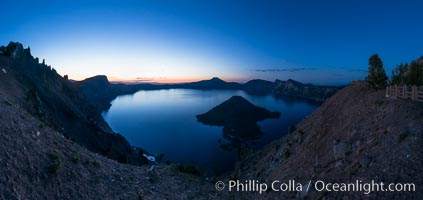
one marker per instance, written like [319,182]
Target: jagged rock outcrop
[17,51]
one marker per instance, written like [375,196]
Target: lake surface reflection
[164,122]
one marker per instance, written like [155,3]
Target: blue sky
[324,42]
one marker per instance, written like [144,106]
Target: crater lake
[164,122]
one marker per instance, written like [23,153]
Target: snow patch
[150,158]
[4,70]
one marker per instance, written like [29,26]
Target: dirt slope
[357,134]
[39,163]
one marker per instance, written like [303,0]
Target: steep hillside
[58,104]
[357,134]
[37,162]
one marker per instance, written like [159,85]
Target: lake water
[164,122]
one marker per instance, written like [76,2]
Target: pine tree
[399,74]
[377,77]
[416,73]
[409,74]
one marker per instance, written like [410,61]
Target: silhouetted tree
[399,74]
[377,77]
[415,76]
[409,74]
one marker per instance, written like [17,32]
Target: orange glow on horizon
[161,80]
[168,80]
[156,80]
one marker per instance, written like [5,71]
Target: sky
[321,42]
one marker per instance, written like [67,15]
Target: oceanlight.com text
[318,185]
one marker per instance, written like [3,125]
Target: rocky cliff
[58,103]
[100,92]
[308,91]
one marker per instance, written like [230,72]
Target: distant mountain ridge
[214,83]
[258,86]
[100,91]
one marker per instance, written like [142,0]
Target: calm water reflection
[164,122]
